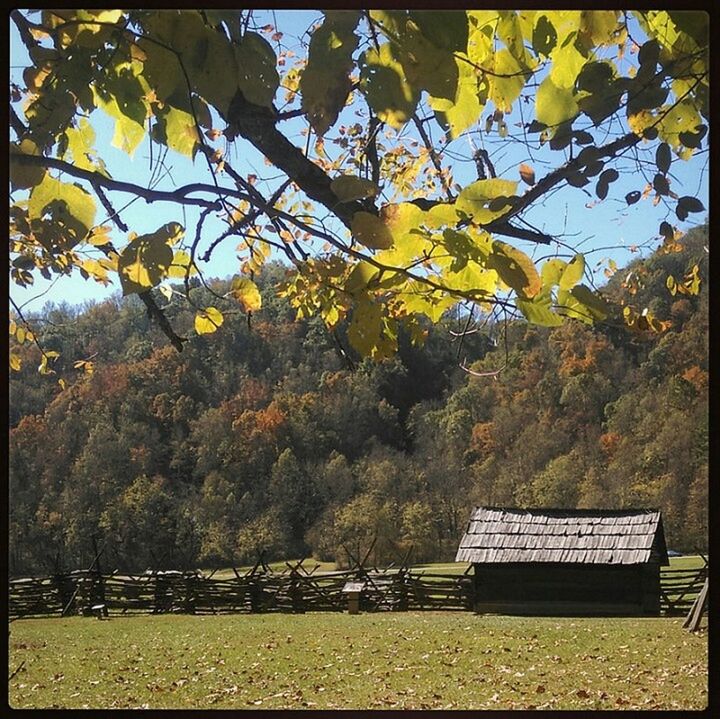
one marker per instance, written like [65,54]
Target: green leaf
[24,176]
[426,66]
[419,299]
[552,271]
[583,304]
[649,54]
[208,57]
[404,220]
[661,184]
[128,133]
[553,104]
[459,113]
[176,129]
[474,200]
[515,269]
[573,272]
[446,29]
[691,204]
[599,25]
[370,333]
[145,261]
[67,205]
[598,79]
[348,187]
[371,231]
[604,181]
[544,36]
[505,86]
[122,97]
[246,292]
[360,277]
[208,320]
[161,69]
[510,32]
[693,140]
[663,157]
[567,64]
[257,75]
[388,92]
[325,83]
[538,311]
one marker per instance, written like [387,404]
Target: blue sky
[603,230]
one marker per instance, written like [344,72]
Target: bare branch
[180,195]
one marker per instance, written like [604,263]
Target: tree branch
[97,179]
[433,157]
[257,125]
[16,123]
[155,312]
[23,25]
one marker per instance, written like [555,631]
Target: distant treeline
[271,435]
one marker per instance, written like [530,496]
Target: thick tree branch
[23,25]
[257,125]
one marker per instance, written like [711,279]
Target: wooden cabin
[564,562]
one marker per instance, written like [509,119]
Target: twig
[20,666]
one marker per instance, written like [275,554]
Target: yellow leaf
[554,105]
[180,264]
[388,92]
[208,320]
[146,260]
[99,236]
[246,292]
[360,276]
[476,198]
[505,86]
[515,269]
[15,362]
[573,272]
[371,231]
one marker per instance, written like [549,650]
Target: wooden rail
[679,588]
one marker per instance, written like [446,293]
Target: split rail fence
[262,590]
[89,592]
[679,588]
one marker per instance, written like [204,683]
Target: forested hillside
[273,435]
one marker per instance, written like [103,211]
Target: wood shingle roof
[586,536]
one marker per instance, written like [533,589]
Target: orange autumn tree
[364,206]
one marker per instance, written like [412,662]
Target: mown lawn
[330,661]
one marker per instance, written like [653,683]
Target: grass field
[384,661]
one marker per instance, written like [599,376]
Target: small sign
[353,587]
